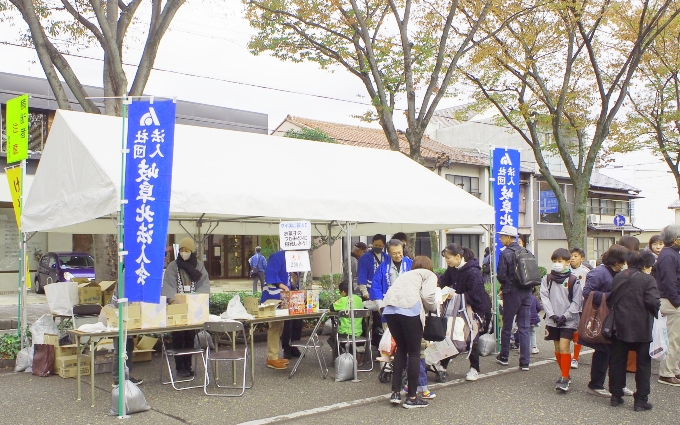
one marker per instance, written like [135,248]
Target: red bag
[43,359]
[592,319]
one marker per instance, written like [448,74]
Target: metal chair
[85,314]
[175,352]
[365,338]
[312,342]
[233,356]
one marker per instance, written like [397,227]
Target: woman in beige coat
[404,308]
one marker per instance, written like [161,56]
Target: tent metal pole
[348,253]
[330,251]
[122,300]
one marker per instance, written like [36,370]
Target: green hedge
[10,344]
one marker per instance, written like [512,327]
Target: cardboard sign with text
[297,261]
[295,235]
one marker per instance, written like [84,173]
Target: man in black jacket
[667,272]
[516,302]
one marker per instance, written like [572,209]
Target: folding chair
[365,338]
[176,352]
[312,342]
[233,356]
[85,314]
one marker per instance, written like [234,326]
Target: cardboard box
[198,307]
[89,293]
[266,309]
[66,366]
[252,305]
[297,303]
[134,317]
[154,315]
[177,314]
[144,349]
[107,287]
[312,301]
[60,350]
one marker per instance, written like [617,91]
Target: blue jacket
[599,281]
[258,261]
[667,273]
[381,279]
[275,273]
[367,267]
[535,309]
[507,270]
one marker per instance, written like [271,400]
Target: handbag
[435,328]
[43,359]
[592,321]
[255,270]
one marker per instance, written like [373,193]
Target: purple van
[62,267]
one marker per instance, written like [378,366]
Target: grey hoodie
[556,302]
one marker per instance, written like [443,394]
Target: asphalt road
[503,395]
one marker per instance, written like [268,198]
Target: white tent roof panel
[253,179]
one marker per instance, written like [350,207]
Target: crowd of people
[638,285]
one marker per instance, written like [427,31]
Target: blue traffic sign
[619,220]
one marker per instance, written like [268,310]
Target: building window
[468,184]
[548,206]
[601,245]
[600,206]
[470,241]
[37,129]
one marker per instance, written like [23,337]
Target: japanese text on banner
[505,191]
[296,235]
[14,177]
[148,181]
[17,129]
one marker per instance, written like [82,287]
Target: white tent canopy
[243,183]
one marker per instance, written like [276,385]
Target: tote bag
[592,321]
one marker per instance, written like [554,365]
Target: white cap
[509,231]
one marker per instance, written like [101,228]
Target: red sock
[566,365]
[577,346]
[558,356]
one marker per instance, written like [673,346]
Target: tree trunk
[105,253]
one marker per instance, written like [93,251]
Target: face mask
[558,267]
[185,255]
[624,267]
[377,250]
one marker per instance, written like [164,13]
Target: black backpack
[526,269]
[571,283]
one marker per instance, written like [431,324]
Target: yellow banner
[28,274]
[14,178]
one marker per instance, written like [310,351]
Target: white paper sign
[297,261]
[295,235]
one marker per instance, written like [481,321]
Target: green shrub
[219,301]
[10,344]
[440,271]
[327,298]
[327,285]
[543,271]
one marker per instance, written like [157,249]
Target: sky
[209,39]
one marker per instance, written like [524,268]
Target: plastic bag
[659,346]
[487,345]
[62,296]
[202,340]
[135,401]
[42,326]
[235,310]
[387,343]
[344,366]
[24,360]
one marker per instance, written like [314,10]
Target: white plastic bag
[659,346]
[344,366]
[24,360]
[42,326]
[135,401]
[235,310]
[62,296]
[386,342]
[487,345]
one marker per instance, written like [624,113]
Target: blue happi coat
[368,265]
[382,281]
[275,273]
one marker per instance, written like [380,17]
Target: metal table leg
[233,364]
[91,371]
[78,363]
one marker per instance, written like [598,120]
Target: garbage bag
[659,346]
[42,326]
[327,328]
[235,310]
[344,366]
[24,360]
[135,401]
[487,345]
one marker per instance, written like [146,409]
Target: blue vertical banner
[148,182]
[505,191]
